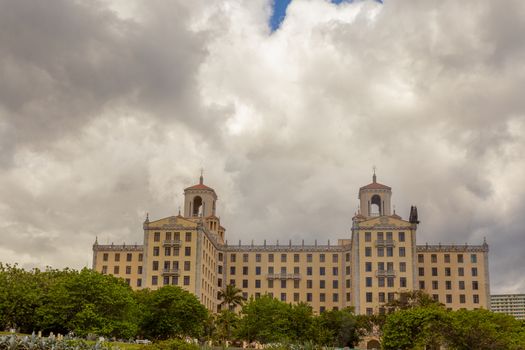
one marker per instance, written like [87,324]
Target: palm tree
[231,296]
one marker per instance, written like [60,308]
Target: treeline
[86,302]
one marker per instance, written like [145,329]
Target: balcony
[170,272]
[283,276]
[385,243]
[385,273]
[172,243]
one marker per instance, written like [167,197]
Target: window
[296,269]
[335,258]
[420,258]
[380,236]
[245,283]
[128,270]
[105,257]
[308,257]
[473,258]
[232,282]
[233,258]
[347,270]
[322,271]
[401,251]
[435,297]
[421,284]
[257,283]
[434,284]
[389,251]
[368,236]
[187,251]
[368,266]
[141,257]
[187,266]
[257,270]
[475,285]
[403,267]
[474,271]
[257,257]
[461,271]
[219,269]
[117,257]
[390,296]
[270,257]
[245,258]
[368,251]
[283,284]
[167,251]
[270,283]
[461,285]
[433,258]
[460,258]
[296,283]
[462,298]
[434,271]
[447,271]
[380,251]
[448,285]
[402,282]
[165,281]
[309,297]
[475,298]
[139,270]
[448,298]
[270,269]
[186,280]
[369,281]
[390,282]
[156,237]
[245,270]
[335,271]
[283,257]
[421,271]
[129,257]
[309,284]
[175,280]
[347,256]
[348,297]
[155,251]
[389,236]
[232,270]
[295,297]
[104,269]
[321,257]
[381,282]
[188,237]
[335,284]
[447,258]
[168,236]
[401,236]
[322,284]
[368,297]
[369,311]
[176,251]
[139,282]
[381,297]
[348,283]
[177,236]
[220,256]
[335,297]
[154,280]
[283,296]
[296,258]
[309,271]
[155,265]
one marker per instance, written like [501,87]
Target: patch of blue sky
[279,11]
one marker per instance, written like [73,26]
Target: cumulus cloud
[108,109]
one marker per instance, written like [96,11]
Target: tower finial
[201,179]
[374,178]
[179,210]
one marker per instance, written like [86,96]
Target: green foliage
[226,324]
[231,296]
[13,342]
[172,344]
[411,299]
[337,328]
[172,312]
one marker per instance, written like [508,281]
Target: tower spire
[201,179]
[374,178]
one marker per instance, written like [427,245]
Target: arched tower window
[375,205]
[197,205]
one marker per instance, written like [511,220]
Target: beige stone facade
[363,271]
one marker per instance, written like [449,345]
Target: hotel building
[366,270]
[510,304]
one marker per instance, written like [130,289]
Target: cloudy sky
[109,109]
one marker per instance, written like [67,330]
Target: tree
[411,299]
[89,302]
[482,329]
[231,296]
[414,328]
[300,322]
[338,328]
[226,325]
[265,320]
[172,312]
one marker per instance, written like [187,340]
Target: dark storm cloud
[106,116]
